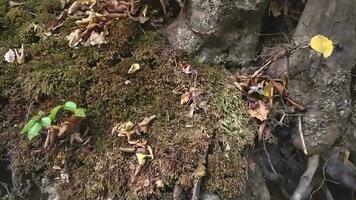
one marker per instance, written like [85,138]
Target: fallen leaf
[91,16]
[185,98]
[15,4]
[20,55]
[322,45]
[113,6]
[95,39]
[143,126]
[76,5]
[74,38]
[134,67]
[125,128]
[280,87]
[141,158]
[159,183]
[69,126]
[260,111]
[268,90]
[10,56]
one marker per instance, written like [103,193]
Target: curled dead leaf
[260,111]
[185,98]
[125,128]
[143,126]
[74,38]
[134,67]
[95,39]
[20,55]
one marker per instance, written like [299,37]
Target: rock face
[218,31]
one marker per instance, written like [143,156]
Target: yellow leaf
[141,158]
[322,45]
[268,90]
[126,128]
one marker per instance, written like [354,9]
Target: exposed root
[304,182]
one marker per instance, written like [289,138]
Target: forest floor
[158,124]
[199,126]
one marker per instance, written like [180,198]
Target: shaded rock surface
[218,31]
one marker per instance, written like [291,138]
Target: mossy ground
[95,78]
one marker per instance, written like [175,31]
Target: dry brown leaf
[143,126]
[185,98]
[20,55]
[69,126]
[260,111]
[126,128]
[95,39]
[74,38]
[113,6]
[280,87]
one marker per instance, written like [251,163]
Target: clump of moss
[234,123]
[226,176]
[227,171]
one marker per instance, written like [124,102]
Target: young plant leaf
[28,125]
[79,112]
[70,105]
[34,130]
[46,121]
[54,111]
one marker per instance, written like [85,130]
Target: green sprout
[39,121]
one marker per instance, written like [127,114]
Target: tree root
[304,182]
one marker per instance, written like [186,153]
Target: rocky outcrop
[218,31]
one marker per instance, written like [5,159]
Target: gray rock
[218,31]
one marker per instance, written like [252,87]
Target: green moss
[227,171]
[234,125]
[226,176]
[95,77]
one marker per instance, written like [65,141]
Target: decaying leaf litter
[193,99]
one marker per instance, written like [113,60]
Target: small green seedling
[39,121]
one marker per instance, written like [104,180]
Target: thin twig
[7,190]
[268,156]
[324,177]
[301,135]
